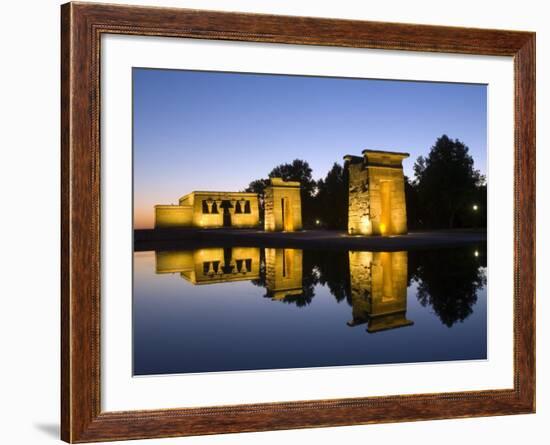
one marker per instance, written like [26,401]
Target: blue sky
[198,130]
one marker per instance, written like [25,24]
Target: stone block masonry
[376,193]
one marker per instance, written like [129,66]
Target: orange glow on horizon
[144,218]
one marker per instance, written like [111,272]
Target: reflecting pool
[243,308]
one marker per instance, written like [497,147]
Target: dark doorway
[226,214]
[227,256]
[286,215]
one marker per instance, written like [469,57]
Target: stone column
[209,204]
[210,268]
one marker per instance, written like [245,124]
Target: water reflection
[211,265]
[452,290]
[379,290]
[373,283]
[283,274]
[235,308]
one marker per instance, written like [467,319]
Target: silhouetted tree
[301,300]
[450,290]
[476,214]
[333,271]
[298,170]
[414,220]
[446,182]
[258,186]
[332,198]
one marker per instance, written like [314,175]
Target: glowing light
[476,253]
[365,226]
[382,228]
[475,207]
[317,222]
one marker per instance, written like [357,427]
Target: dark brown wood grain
[81,28]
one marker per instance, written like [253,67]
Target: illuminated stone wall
[376,193]
[283,206]
[283,272]
[167,216]
[211,210]
[211,265]
[378,282]
[223,209]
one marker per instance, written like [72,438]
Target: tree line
[446,191]
[450,291]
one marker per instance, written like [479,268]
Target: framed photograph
[274,222]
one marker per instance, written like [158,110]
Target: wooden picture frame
[82,25]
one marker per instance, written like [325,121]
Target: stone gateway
[283,206]
[376,193]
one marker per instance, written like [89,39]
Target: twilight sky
[218,131]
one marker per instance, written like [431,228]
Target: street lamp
[475,207]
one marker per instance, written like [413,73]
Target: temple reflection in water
[209,309]
[377,280]
[283,273]
[379,289]
[211,265]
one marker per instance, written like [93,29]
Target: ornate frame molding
[82,25]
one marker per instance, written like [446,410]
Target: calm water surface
[243,308]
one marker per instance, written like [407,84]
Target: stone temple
[210,265]
[376,193]
[210,210]
[239,210]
